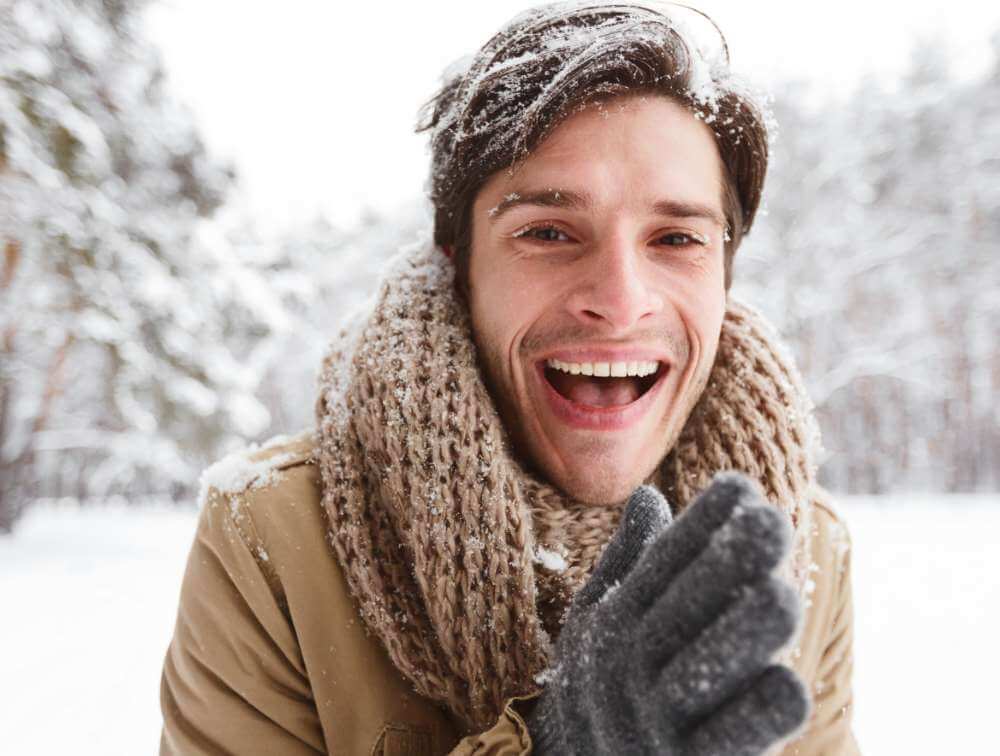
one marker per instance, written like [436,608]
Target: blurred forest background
[140,338]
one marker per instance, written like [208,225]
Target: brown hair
[552,61]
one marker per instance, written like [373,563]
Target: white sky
[315,101]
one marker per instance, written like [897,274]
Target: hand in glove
[666,649]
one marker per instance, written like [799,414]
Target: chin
[597,485]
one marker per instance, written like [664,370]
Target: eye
[542,234]
[681,239]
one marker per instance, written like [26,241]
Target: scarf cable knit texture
[436,524]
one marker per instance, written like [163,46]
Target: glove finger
[733,651]
[685,540]
[773,708]
[742,552]
[646,515]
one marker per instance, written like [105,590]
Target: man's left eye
[680,239]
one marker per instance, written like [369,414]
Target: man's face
[602,254]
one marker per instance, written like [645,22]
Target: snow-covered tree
[878,260]
[127,336]
[321,275]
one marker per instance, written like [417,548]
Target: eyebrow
[569,200]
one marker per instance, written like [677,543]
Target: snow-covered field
[89,598]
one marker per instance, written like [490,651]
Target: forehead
[643,148]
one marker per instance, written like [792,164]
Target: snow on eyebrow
[543,197]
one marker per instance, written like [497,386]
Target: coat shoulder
[256,470]
[282,451]
[268,496]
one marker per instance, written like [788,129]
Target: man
[471,553]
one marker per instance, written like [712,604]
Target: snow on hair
[495,106]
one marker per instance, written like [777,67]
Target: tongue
[595,392]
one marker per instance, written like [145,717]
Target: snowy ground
[90,596]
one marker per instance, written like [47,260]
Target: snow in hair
[494,104]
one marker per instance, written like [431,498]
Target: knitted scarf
[461,561]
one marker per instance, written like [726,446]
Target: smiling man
[597,306]
[472,552]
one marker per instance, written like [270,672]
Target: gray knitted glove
[667,649]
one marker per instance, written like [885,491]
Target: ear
[448,251]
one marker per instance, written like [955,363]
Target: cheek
[707,311]
[504,300]
[705,285]
[491,313]
[495,310]
[708,324]
[698,296]
[699,305]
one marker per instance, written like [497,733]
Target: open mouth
[602,384]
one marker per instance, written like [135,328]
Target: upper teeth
[605,369]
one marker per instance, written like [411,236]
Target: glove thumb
[646,515]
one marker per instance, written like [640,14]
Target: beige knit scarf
[436,524]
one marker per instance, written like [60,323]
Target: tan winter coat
[269,655]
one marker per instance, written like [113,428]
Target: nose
[615,289]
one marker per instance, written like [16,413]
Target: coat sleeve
[508,737]
[829,731]
[233,680]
